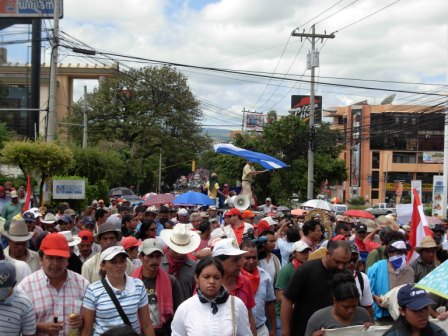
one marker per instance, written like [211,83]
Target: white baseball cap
[227,246]
[111,252]
[271,221]
[299,246]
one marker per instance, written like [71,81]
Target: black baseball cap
[360,227]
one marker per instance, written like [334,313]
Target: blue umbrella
[193,198]
[266,161]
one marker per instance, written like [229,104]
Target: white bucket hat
[180,239]
[71,240]
[49,219]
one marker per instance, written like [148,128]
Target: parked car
[339,209]
[381,209]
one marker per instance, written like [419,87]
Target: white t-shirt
[194,318]
[365,298]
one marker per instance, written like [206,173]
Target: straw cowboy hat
[427,243]
[18,231]
[180,239]
[383,220]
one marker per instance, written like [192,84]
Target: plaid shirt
[48,302]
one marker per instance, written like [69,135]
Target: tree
[146,109]
[287,140]
[40,159]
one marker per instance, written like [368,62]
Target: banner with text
[69,189]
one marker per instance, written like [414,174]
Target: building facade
[388,146]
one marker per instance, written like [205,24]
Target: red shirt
[243,290]
[239,233]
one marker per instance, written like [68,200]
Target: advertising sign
[300,106]
[69,189]
[417,185]
[432,157]
[28,8]
[255,121]
[437,196]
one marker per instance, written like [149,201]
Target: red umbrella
[159,199]
[359,213]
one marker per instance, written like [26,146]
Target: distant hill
[217,134]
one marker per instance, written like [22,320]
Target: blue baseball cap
[28,216]
[413,298]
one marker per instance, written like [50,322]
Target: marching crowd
[121,270]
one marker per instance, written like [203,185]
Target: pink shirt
[48,302]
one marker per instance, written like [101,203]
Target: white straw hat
[180,239]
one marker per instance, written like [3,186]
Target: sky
[385,40]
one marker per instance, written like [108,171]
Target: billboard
[69,189]
[432,157]
[300,106]
[28,8]
[255,121]
[438,196]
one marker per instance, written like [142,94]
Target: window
[403,157]
[375,160]
[374,194]
[375,179]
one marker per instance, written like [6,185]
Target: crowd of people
[117,269]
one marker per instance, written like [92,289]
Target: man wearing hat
[18,236]
[183,216]
[237,228]
[268,206]
[212,188]
[108,235]
[49,222]
[30,220]
[212,212]
[16,310]
[55,291]
[387,274]
[438,233]
[12,208]
[65,223]
[427,260]
[84,249]
[180,242]
[248,216]
[163,289]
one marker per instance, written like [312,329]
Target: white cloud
[405,42]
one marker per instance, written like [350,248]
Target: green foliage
[287,140]
[5,134]
[357,201]
[97,164]
[144,110]
[39,159]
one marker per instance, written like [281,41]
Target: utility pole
[51,127]
[312,63]
[244,119]
[160,169]
[84,132]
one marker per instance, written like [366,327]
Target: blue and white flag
[266,161]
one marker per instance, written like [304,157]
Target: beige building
[388,146]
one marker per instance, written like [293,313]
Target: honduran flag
[419,227]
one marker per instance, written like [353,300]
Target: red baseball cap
[233,211]
[55,244]
[261,226]
[248,214]
[130,242]
[86,236]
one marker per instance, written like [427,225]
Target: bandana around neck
[222,297]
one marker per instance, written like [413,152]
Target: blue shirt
[265,293]
[131,299]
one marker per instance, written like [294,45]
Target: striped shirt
[131,299]
[17,315]
[50,303]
